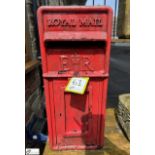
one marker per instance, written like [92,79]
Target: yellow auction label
[77,85]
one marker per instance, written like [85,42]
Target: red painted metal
[75,41]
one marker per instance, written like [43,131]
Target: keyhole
[60,114]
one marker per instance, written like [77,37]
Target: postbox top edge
[41,9]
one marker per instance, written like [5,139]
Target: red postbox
[75,42]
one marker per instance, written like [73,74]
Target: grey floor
[119,81]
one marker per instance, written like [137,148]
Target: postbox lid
[74,23]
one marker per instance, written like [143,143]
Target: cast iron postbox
[75,42]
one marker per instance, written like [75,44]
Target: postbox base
[75,147]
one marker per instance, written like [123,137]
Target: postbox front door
[75,42]
[74,121]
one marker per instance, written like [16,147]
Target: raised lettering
[86,63]
[86,22]
[76,62]
[64,62]
[90,22]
